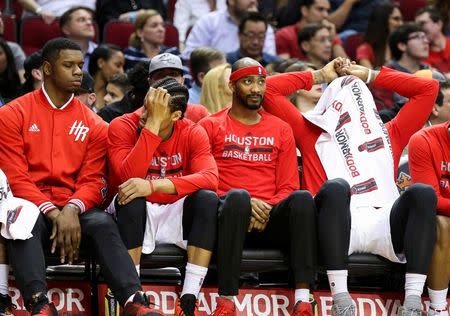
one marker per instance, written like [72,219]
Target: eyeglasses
[421,36]
[251,36]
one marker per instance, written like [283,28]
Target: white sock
[414,284]
[138,269]
[4,272]
[301,295]
[338,281]
[438,298]
[194,279]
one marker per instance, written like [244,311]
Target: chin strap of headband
[247,71]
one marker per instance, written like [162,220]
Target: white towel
[355,144]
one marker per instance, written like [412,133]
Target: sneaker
[6,306]
[225,307]
[412,306]
[140,306]
[40,306]
[435,312]
[343,305]
[303,309]
[187,305]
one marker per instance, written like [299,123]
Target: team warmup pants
[292,225]
[199,220]
[100,237]
[412,224]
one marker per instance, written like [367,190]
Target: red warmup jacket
[429,162]
[421,92]
[53,156]
[184,158]
[259,158]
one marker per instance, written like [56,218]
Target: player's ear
[175,116]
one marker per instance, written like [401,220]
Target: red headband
[247,71]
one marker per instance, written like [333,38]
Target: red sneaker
[40,306]
[140,307]
[225,307]
[303,309]
[187,305]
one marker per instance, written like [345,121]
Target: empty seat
[10,32]
[352,43]
[34,33]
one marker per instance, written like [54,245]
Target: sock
[138,269]
[4,272]
[301,295]
[130,299]
[414,284]
[230,298]
[438,298]
[338,281]
[194,279]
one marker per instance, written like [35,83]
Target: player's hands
[133,188]
[66,232]
[331,70]
[256,225]
[260,210]
[157,105]
[359,71]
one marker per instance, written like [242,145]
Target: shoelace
[346,309]
[413,312]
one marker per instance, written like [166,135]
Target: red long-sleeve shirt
[429,162]
[53,156]
[185,158]
[421,92]
[259,158]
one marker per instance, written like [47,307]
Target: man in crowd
[429,162]
[164,169]
[441,110]
[366,154]
[116,88]
[315,43]
[77,24]
[266,202]
[86,92]
[252,34]
[56,160]
[19,55]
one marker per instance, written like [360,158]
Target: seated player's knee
[207,208]
[423,194]
[302,203]
[338,185]
[239,203]
[133,209]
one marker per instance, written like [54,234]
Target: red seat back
[10,32]
[171,39]
[34,33]
[352,43]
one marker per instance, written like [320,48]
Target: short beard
[244,102]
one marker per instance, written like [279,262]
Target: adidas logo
[34,128]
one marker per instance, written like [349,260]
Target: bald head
[244,62]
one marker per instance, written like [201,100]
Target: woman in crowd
[116,88]
[10,86]
[147,40]
[374,51]
[215,91]
[105,62]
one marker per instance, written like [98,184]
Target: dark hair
[105,52]
[138,77]
[435,15]
[443,85]
[51,49]
[308,32]
[67,15]
[121,80]
[401,35]
[377,32]
[253,17]
[305,3]
[34,61]
[10,87]
[179,94]
[201,59]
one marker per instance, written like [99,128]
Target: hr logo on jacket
[79,130]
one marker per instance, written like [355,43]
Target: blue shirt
[87,56]
[218,30]
[194,93]
[266,58]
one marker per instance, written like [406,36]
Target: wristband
[71,205]
[152,187]
[38,10]
[369,76]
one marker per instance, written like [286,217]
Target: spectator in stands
[252,34]
[85,93]
[316,44]
[105,61]
[68,188]
[216,93]
[33,72]
[202,60]
[126,11]
[400,224]
[116,88]
[77,24]
[180,184]
[49,10]
[266,203]
[134,99]
[375,52]
[10,87]
[147,40]
[169,65]
[19,55]
[443,6]
[187,12]
[441,110]
[432,23]
[429,159]
[312,11]
[219,29]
